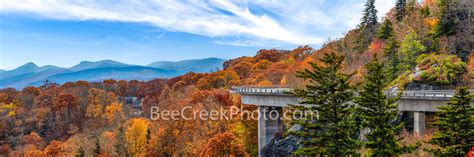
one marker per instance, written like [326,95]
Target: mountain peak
[85,62]
[26,68]
[28,65]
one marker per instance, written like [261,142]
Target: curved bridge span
[412,100]
[416,103]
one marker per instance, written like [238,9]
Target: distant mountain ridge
[26,68]
[30,74]
[195,65]
[99,64]
[118,73]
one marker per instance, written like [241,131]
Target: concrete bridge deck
[270,99]
[422,100]
[410,94]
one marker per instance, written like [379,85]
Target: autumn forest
[426,45]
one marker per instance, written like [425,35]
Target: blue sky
[63,33]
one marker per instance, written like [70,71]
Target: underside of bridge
[269,124]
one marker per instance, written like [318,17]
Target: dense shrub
[440,69]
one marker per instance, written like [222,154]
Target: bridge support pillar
[269,123]
[419,123]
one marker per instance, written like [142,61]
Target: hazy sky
[64,32]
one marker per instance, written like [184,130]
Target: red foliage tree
[243,69]
[32,90]
[8,95]
[32,138]
[66,107]
[270,55]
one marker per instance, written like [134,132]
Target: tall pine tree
[369,17]
[378,112]
[330,93]
[447,22]
[400,9]
[386,30]
[368,26]
[387,34]
[456,126]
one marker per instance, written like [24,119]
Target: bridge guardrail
[262,90]
[277,90]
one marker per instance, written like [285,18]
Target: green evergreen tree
[447,22]
[378,112]
[409,49]
[387,34]
[400,9]
[386,30]
[329,93]
[456,126]
[390,52]
[425,11]
[369,17]
[368,26]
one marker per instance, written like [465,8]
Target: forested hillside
[428,45]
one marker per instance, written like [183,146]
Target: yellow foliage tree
[136,136]
[284,81]
[230,76]
[95,101]
[262,64]
[8,108]
[114,113]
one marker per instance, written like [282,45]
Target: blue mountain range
[32,75]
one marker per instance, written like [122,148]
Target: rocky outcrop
[284,145]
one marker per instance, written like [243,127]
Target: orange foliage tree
[469,76]
[376,48]
[107,143]
[264,83]
[55,148]
[223,144]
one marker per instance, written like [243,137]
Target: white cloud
[292,22]
[384,6]
[250,42]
